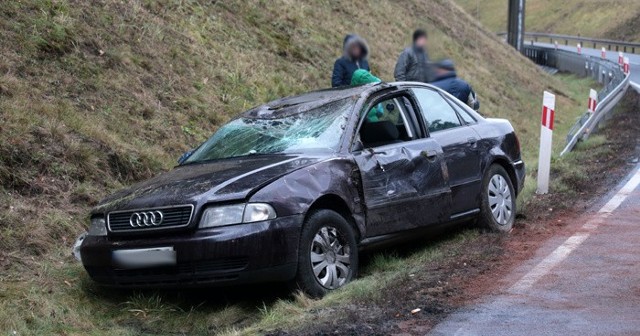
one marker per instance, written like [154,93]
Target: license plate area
[144,258]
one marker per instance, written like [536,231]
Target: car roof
[301,103]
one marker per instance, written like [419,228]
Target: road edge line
[562,252]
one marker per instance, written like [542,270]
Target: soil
[479,268]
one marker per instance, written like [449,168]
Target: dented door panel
[405,186]
[462,155]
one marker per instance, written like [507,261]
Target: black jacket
[454,85]
[413,66]
[345,66]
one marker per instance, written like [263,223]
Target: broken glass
[316,129]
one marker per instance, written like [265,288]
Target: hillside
[97,96]
[618,20]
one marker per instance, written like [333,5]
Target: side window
[466,117]
[386,122]
[437,111]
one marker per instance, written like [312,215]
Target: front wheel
[328,253]
[498,209]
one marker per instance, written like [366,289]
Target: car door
[403,174]
[459,142]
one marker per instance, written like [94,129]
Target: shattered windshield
[317,129]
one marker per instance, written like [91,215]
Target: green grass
[617,20]
[95,96]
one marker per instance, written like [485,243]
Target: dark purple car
[291,190]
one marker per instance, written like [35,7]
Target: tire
[328,245]
[498,208]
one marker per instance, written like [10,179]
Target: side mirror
[185,156]
[476,106]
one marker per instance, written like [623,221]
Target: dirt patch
[477,269]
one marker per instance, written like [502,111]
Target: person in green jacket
[363,77]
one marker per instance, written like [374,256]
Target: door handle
[374,152]
[472,141]
[430,154]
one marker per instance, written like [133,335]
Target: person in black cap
[447,80]
[413,63]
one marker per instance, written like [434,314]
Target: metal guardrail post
[614,85]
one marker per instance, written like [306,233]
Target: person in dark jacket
[447,80]
[354,56]
[413,64]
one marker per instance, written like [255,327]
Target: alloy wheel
[500,200]
[330,257]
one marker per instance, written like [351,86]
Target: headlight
[255,212]
[222,215]
[98,227]
[236,214]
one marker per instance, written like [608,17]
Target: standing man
[413,64]
[354,56]
[447,80]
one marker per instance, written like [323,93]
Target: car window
[463,113]
[437,111]
[386,122]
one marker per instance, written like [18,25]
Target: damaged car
[291,190]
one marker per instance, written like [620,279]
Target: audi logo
[146,218]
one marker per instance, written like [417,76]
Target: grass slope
[615,19]
[97,95]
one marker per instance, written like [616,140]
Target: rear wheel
[328,253]
[498,209]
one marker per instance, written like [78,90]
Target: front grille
[190,273]
[172,217]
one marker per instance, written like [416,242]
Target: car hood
[217,181]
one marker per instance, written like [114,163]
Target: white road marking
[635,86]
[562,251]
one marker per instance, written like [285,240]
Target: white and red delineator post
[556,43]
[579,49]
[626,66]
[620,58]
[603,53]
[593,100]
[546,137]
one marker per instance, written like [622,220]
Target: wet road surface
[587,283]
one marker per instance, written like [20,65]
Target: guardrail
[610,74]
[627,47]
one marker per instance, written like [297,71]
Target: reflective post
[626,67]
[546,137]
[620,58]
[593,100]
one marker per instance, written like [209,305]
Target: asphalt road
[584,284]
[634,59]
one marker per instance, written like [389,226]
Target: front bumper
[245,253]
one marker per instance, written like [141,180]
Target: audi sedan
[293,189]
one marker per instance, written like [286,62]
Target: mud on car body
[291,190]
